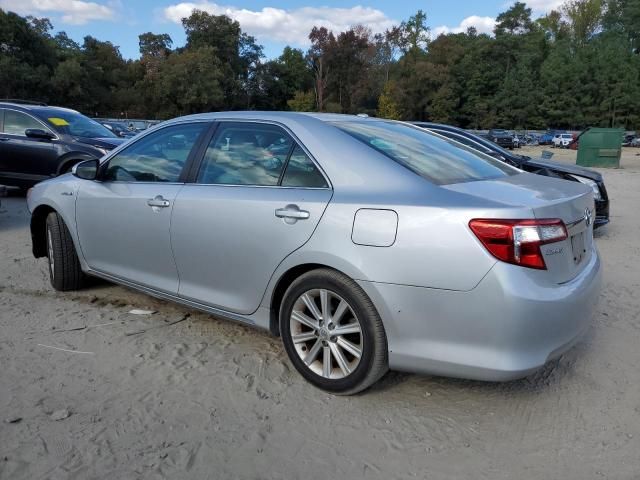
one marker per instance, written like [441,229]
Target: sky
[274,23]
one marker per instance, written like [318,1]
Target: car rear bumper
[508,326]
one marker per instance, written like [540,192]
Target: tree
[387,107]
[515,21]
[319,56]
[302,102]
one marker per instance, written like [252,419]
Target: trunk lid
[547,197]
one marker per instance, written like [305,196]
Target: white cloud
[76,12]
[287,26]
[482,25]
[543,6]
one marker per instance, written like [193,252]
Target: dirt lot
[206,398]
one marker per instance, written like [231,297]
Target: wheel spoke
[303,319]
[326,362]
[337,315]
[303,337]
[342,362]
[349,347]
[313,353]
[311,305]
[324,303]
[347,329]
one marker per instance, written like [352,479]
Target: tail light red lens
[518,241]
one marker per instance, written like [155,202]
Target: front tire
[332,332]
[64,267]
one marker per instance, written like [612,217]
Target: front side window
[437,159]
[16,123]
[246,154]
[157,157]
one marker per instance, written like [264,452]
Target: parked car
[119,128]
[368,244]
[635,142]
[538,166]
[501,137]
[562,140]
[39,142]
[626,141]
[547,137]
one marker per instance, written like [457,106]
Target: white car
[562,140]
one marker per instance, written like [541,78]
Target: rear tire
[341,348]
[64,267]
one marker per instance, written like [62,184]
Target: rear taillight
[518,241]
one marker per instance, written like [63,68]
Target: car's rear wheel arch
[285,280]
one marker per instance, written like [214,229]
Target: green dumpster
[600,147]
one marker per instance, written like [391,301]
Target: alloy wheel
[50,253]
[326,333]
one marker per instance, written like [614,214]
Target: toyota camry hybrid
[365,244]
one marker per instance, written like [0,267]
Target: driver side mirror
[87,170]
[39,134]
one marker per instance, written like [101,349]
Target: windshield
[437,159]
[75,124]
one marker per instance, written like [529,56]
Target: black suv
[534,165]
[39,142]
[501,137]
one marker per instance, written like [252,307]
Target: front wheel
[64,267]
[332,332]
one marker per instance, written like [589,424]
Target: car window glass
[435,158]
[157,157]
[245,154]
[302,172]
[461,139]
[15,123]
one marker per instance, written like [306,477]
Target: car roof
[278,116]
[36,108]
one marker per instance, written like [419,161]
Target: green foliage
[387,107]
[575,66]
[302,102]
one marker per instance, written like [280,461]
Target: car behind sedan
[539,166]
[38,142]
[365,244]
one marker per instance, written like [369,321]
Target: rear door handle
[292,212]
[4,139]
[158,201]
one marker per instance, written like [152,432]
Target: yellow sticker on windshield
[58,122]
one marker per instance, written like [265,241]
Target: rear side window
[15,123]
[302,172]
[157,157]
[437,159]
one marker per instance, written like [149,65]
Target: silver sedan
[365,244]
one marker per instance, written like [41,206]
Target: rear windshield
[439,160]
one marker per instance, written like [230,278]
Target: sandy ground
[206,398]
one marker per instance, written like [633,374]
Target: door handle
[158,201]
[292,212]
[4,139]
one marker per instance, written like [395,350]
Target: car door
[256,198]
[123,218]
[21,157]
